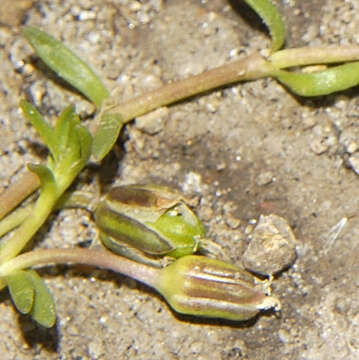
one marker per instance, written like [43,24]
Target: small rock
[323,138]
[349,140]
[37,92]
[272,246]
[193,183]
[354,162]
[232,222]
[265,178]
[221,166]
[153,122]
[230,210]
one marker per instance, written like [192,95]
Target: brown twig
[17,192]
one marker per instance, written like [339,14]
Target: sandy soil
[246,150]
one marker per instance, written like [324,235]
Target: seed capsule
[199,286]
[149,219]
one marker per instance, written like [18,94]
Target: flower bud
[153,219]
[199,286]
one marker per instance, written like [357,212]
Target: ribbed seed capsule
[152,219]
[199,286]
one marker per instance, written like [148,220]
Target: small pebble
[323,138]
[153,122]
[272,246]
[192,183]
[349,140]
[354,162]
[264,178]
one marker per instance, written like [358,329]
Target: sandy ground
[246,150]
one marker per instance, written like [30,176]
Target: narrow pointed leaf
[85,140]
[42,127]
[21,291]
[77,152]
[106,135]
[43,310]
[73,146]
[66,64]
[83,146]
[272,18]
[322,82]
[63,125]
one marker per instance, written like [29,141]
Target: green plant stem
[252,67]
[78,200]
[102,259]
[28,228]
[309,56]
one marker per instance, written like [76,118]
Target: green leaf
[63,127]
[30,295]
[106,134]
[21,291]
[47,179]
[324,82]
[72,151]
[77,153]
[272,18]
[42,127]
[66,64]
[85,140]
[43,310]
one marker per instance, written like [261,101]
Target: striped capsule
[200,286]
[148,221]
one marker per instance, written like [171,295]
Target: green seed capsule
[149,219]
[199,286]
